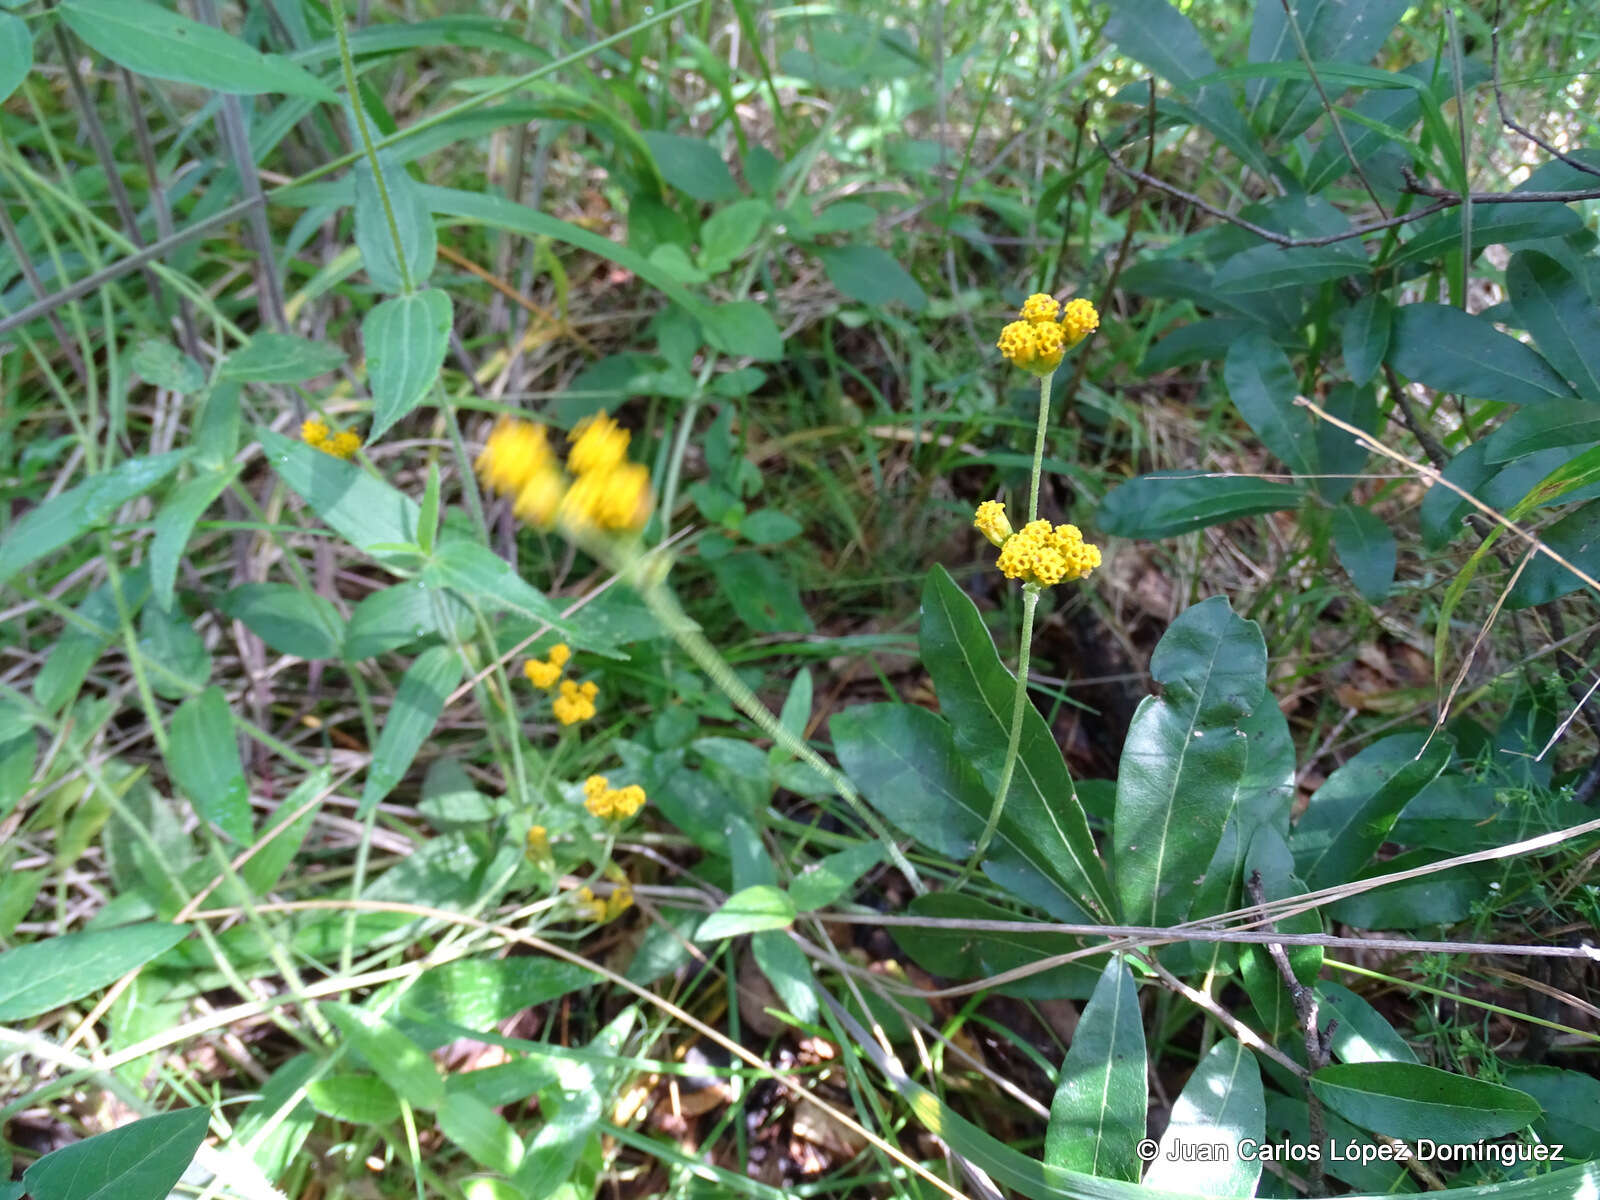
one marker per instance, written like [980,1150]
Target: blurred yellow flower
[598,444]
[539,499]
[515,452]
[541,674]
[576,702]
[1036,342]
[313,431]
[343,444]
[539,845]
[991,521]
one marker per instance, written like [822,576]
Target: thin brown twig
[1505,116]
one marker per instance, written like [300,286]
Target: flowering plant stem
[1019,700]
[664,605]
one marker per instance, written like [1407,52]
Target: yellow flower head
[596,785]
[1079,320]
[598,444]
[575,703]
[515,452]
[601,804]
[539,499]
[1040,307]
[313,431]
[629,800]
[559,653]
[619,902]
[539,844]
[613,498]
[990,520]
[343,444]
[591,904]
[1046,555]
[542,674]
[1033,346]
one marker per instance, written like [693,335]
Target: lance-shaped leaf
[405,339]
[1222,1103]
[1098,1116]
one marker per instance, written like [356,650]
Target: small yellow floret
[620,901]
[539,844]
[629,800]
[1078,321]
[601,804]
[1033,346]
[542,674]
[343,444]
[1040,307]
[615,499]
[515,452]
[598,444]
[559,653]
[575,703]
[313,431]
[991,521]
[596,785]
[592,904]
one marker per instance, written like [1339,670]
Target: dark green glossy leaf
[1221,1102]
[1576,537]
[1263,387]
[1545,427]
[1407,1100]
[1571,1103]
[417,705]
[976,692]
[1350,815]
[1453,351]
[140,1161]
[1362,1034]
[872,276]
[1183,755]
[1164,505]
[1098,1115]
[1366,331]
[1553,305]
[1366,548]
[1263,268]
[966,954]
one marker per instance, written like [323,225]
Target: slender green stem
[366,143]
[1038,455]
[1019,700]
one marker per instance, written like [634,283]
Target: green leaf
[277,1124]
[1350,815]
[359,1099]
[1222,1102]
[743,329]
[77,648]
[481,576]
[396,1059]
[1366,548]
[163,364]
[961,954]
[60,970]
[823,882]
[280,358]
[267,865]
[1164,505]
[1453,351]
[375,236]
[1492,224]
[1042,812]
[149,40]
[168,637]
[1264,268]
[174,524]
[16,54]
[748,910]
[405,340]
[203,760]
[1545,427]
[1553,305]
[483,1134]
[1571,1103]
[788,970]
[477,993]
[763,592]
[289,620]
[872,276]
[1407,1100]
[61,519]
[417,705]
[692,165]
[1362,1034]
[401,614]
[729,232]
[1097,1118]
[1335,34]
[361,508]
[1183,755]
[1576,537]
[140,1161]
[1263,387]
[1367,327]
[768,527]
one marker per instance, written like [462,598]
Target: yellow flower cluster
[344,444]
[604,801]
[606,491]
[619,902]
[576,701]
[1037,342]
[539,845]
[543,672]
[1038,552]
